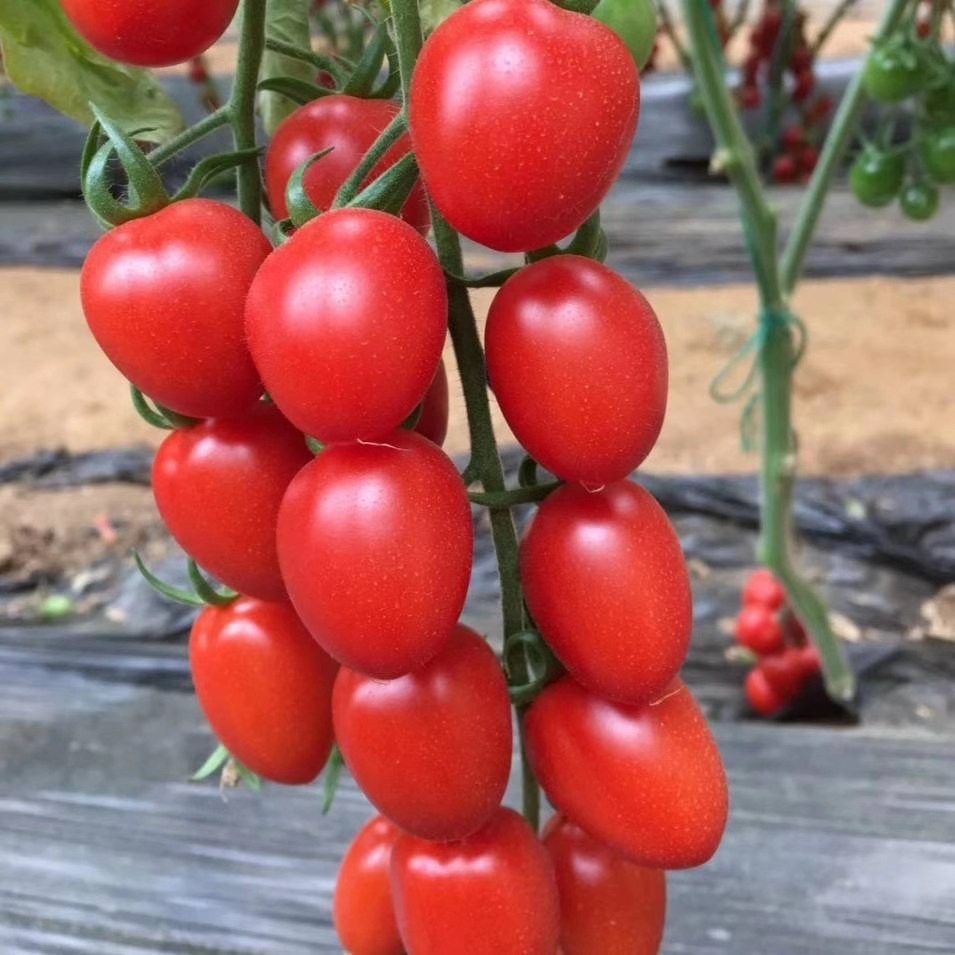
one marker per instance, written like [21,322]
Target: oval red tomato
[164,297]
[347,322]
[564,80]
[348,126]
[150,32]
[764,698]
[577,360]
[758,629]
[644,780]
[265,687]
[607,903]
[432,749]
[605,580]
[375,547]
[433,423]
[364,910]
[763,588]
[491,893]
[219,486]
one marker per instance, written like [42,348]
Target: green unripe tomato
[938,102]
[919,201]
[894,71]
[938,154]
[876,176]
[634,21]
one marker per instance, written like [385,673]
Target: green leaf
[44,56]
[287,21]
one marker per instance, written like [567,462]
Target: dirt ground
[872,395]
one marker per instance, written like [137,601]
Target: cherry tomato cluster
[351,566]
[796,151]
[910,67]
[767,628]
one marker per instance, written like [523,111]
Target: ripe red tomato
[761,695]
[764,589]
[758,629]
[348,125]
[606,582]
[164,297]
[785,672]
[364,910]
[433,423]
[645,780]
[607,903]
[491,893]
[150,32]
[346,323]
[400,737]
[375,547]
[578,362]
[566,81]
[219,485]
[265,687]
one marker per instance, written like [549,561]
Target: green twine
[769,322]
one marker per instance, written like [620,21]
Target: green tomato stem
[485,459]
[830,159]
[241,105]
[205,126]
[776,353]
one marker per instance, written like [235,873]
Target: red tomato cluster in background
[352,566]
[797,153]
[766,627]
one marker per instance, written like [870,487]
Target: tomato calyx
[203,594]
[232,772]
[146,193]
[300,207]
[539,662]
[159,416]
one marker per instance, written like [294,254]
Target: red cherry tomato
[761,695]
[578,362]
[364,910]
[810,662]
[375,547]
[607,903]
[400,737]
[566,81]
[764,589]
[150,32]
[348,126]
[164,297]
[346,323]
[784,672]
[606,582]
[433,423]
[265,687]
[758,629]
[645,780]
[491,893]
[219,485]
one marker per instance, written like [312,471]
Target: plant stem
[469,354]
[187,137]
[241,105]
[830,159]
[776,348]
[825,32]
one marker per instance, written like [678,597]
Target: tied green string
[769,322]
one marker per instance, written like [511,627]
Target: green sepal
[167,590]
[331,778]
[301,209]
[297,90]
[216,760]
[390,191]
[145,190]
[366,72]
[205,591]
[210,167]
